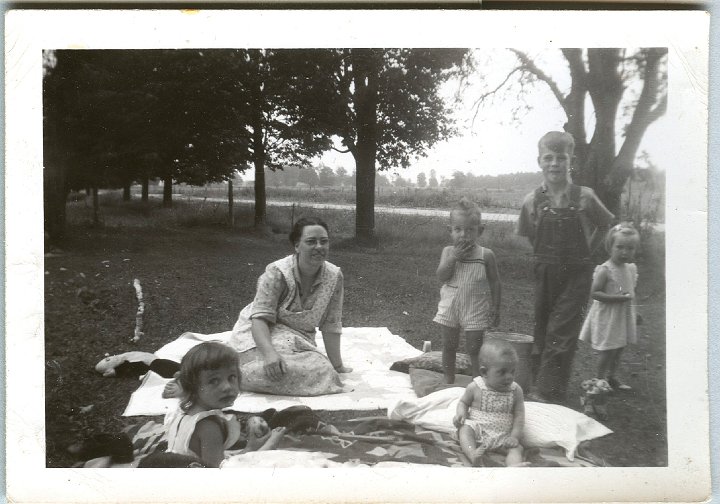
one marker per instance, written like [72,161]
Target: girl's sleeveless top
[181,426]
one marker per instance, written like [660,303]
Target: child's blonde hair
[556,140]
[623,229]
[468,208]
[206,356]
[493,350]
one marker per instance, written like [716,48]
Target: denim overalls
[563,276]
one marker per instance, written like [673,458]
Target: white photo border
[685,33]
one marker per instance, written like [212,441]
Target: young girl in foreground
[610,324]
[491,412]
[467,271]
[209,378]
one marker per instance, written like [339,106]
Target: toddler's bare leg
[514,456]
[605,360]
[473,342]
[466,435]
[450,337]
[615,362]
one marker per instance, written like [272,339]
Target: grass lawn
[196,276]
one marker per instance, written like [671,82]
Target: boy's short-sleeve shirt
[593,214]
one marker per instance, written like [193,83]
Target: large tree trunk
[145,189]
[366,91]
[648,109]
[55,194]
[231,212]
[167,191]
[96,205]
[126,191]
[55,189]
[258,157]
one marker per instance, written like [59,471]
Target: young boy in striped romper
[467,271]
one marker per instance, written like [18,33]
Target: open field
[197,274]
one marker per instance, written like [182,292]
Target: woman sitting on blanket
[275,334]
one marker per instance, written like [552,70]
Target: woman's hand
[511,442]
[275,366]
[343,369]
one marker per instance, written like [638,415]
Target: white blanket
[546,425]
[368,350]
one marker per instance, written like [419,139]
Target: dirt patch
[198,279]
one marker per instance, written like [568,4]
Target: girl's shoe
[616,385]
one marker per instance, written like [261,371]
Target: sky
[494,143]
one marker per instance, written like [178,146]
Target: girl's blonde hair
[206,356]
[468,208]
[623,229]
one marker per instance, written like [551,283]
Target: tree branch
[530,66]
[644,114]
[340,151]
[575,100]
[483,96]
[659,110]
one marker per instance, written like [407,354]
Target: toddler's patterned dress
[492,420]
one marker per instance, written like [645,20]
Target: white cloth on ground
[370,351]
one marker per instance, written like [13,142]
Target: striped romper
[464,298]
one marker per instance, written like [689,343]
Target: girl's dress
[612,325]
[492,420]
[464,297]
[181,426]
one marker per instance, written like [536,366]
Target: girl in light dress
[610,324]
[209,380]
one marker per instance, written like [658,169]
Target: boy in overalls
[564,222]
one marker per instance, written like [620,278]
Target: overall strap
[540,199]
[574,196]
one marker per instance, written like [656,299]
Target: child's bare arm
[208,436]
[273,439]
[493,277]
[598,284]
[463,404]
[518,416]
[447,264]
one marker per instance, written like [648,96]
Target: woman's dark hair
[206,356]
[297,229]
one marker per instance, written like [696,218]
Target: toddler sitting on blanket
[209,378]
[491,412]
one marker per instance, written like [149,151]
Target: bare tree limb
[483,96]
[529,65]
[340,151]
[575,100]
[649,108]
